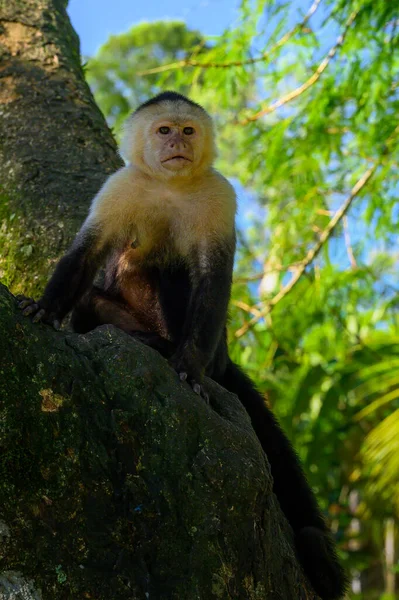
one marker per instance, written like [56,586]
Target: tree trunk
[118,482]
[55,147]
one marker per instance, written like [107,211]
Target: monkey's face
[176,147]
[171,140]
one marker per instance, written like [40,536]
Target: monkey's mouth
[178,158]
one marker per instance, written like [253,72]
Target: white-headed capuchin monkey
[164,226]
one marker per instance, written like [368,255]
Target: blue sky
[95,20]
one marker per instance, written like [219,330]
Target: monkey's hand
[38,312]
[187,367]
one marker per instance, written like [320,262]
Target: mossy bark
[118,482]
[55,147]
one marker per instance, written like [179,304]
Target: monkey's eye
[188,130]
[164,129]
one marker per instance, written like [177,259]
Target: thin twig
[324,237]
[312,80]
[189,62]
[265,272]
[246,307]
[348,244]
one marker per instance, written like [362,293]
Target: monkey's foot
[32,308]
[197,388]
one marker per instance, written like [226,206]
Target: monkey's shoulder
[126,199]
[213,182]
[212,203]
[121,191]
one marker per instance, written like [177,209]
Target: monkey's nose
[177,142]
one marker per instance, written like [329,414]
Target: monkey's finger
[26,302]
[38,316]
[30,309]
[197,388]
[183,376]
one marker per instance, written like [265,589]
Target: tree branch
[246,307]
[188,62]
[101,446]
[313,252]
[311,81]
[278,269]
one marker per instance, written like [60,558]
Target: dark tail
[314,544]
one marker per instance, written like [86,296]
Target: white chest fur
[156,214]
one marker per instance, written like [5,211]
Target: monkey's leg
[314,544]
[99,308]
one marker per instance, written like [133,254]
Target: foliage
[115,72]
[306,105]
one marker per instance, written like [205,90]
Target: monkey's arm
[75,272]
[72,277]
[210,277]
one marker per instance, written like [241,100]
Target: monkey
[164,226]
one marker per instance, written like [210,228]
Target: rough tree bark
[55,147]
[116,481]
